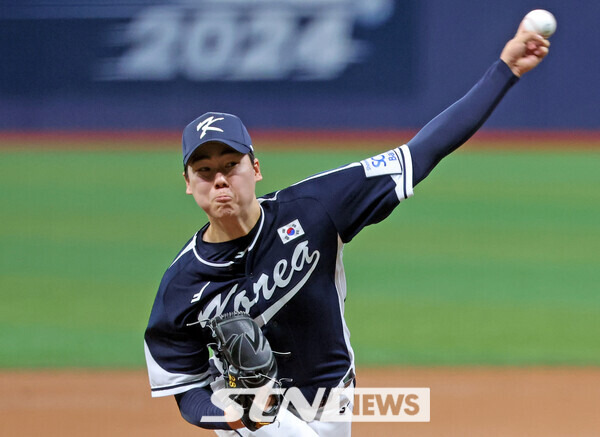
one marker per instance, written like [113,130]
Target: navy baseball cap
[215,127]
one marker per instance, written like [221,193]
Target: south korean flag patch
[290,231]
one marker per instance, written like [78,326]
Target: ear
[188,189]
[257,173]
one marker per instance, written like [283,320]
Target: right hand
[525,51]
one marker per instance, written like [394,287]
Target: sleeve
[453,127]
[194,404]
[362,193]
[176,352]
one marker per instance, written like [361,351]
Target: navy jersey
[287,273]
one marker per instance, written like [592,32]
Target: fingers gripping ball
[540,21]
[248,361]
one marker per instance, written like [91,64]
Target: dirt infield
[464,402]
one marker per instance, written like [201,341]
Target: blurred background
[499,260]
[494,262]
[500,248]
[320,64]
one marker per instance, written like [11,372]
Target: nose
[220,180]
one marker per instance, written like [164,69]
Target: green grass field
[496,260]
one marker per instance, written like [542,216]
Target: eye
[231,164]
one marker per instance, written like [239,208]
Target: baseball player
[278,258]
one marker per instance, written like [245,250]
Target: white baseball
[540,21]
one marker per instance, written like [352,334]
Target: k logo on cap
[206,125]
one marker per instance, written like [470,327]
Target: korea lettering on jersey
[287,273]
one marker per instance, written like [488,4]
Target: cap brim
[241,148]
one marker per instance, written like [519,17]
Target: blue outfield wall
[279,64]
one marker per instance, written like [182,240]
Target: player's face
[222,181]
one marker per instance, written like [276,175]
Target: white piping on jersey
[248,249]
[164,383]
[404,154]
[404,187]
[340,286]
[262,221]
[325,173]
[208,263]
[187,248]
[271,199]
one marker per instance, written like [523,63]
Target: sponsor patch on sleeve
[386,163]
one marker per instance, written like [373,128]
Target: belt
[349,378]
[347,381]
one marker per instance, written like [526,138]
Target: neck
[232,227]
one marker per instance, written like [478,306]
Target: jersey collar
[240,254]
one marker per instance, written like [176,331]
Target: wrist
[511,66]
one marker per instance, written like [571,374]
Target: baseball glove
[248,361]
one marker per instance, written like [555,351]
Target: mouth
[223,198]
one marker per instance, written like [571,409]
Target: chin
[225,212]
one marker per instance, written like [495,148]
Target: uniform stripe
[187,248]
[164,383]
[325,173]
[340,285]
[404,188]
[270,199]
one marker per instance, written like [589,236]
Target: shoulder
[187,249]
[337,174]
[315,184]
[181,269]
